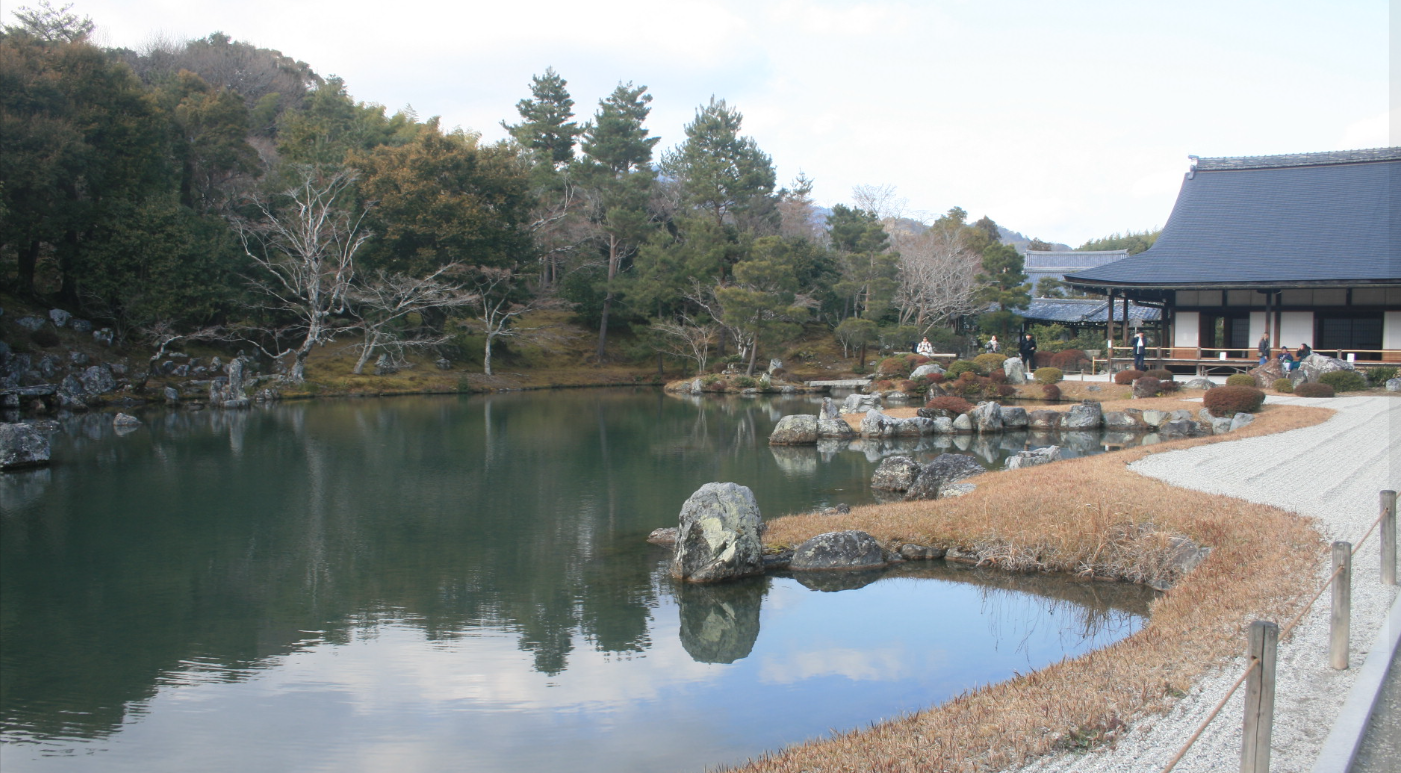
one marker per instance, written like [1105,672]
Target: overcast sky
[1064,120]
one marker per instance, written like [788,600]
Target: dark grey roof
[1275,221]
[1057,263]
[1078,311]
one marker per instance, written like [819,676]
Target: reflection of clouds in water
[865,665]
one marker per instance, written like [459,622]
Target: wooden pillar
[1125,320]
[1279,334]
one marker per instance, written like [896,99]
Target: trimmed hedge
[1232,399]
[1311,390]
[989,362]
[1240,379]
[1070,359]
[1344,380]
[1048,375]
[1283,385]
[954,405]
[1127,377]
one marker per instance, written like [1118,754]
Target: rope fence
[1264,636]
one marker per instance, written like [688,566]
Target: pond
[451,582]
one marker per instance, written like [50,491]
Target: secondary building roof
[1301,220]
[1080,311]
[1058,263]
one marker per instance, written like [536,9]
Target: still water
[462,583]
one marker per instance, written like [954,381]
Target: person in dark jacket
[1140,350]
[1264,348]
[1027,349]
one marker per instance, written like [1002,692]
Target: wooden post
[1388,526]
[1109,337]
[1259,698]
[1340,621]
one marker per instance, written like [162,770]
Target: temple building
[1303,248]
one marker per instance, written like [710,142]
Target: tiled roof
[1298,220]
[1077,311]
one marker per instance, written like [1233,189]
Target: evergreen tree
[616,138]
[720,172]
[545,127]
[869,269]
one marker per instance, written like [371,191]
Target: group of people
[1287,359]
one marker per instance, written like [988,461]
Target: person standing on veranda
[1140,350]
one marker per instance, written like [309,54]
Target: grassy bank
[1091,517]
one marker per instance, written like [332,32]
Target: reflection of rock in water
[1014,441]
[22,487]
[830,447]
[1080,442]
[884,497]
[833,581]
[986,447]
[795,460]
[962,442]
[720,623]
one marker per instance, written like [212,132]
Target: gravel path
[1332,473]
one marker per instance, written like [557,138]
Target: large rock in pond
[945,469]
[858,403]
[1044,420]
[796,430]
[829,410]
[21,445]
[835,428]
[1316,365]
[718,537]
[838,550]
[1086,415]
[98,380]
[963,423]
[1033,458]
[896,473]
[1015,370]
[987,417]
[1123,421]
[1014,418]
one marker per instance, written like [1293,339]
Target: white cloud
[1373,132]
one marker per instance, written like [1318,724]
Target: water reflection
[218,581]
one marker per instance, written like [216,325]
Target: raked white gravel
[1332,473]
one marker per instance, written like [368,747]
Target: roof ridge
[1323,158]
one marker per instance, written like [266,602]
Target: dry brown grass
[1090,516]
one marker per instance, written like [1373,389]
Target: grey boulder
[22,446]
[838,550]
[795,430]
[1034,458]
[895,473]
[858,403]
[1014,418]
[718,535]
[987,417]
[945,469]
[1086,415]
[1015,370]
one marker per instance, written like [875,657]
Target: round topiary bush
[1240,379]
[1311,390]
[894,366]
[989,362]
[1127,376]
[959,367]
[1148,386]
[1048,375]
[1050,391]
[954,405]
[1070,359]
[1232,399]
[1344,380]
[1161,374]
[1283,385]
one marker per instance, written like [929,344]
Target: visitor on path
[993,345]
[925,348]
[1264,347]
[1140,350]
[1027,349]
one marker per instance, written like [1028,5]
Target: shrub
[954,405]
[1127,376]
[1005,390]
[883,385]
[1283,385]
[45,337]
[743,382]
[989,362]
[1231,399]
[1147,385]
[1048,375]
[1050,391]
[935,378]
[1168,387]
[1311,390]
[1344,380]
[894,366]
[1161,374]
[1240,379]
[998,376]
[907,386]
[959,367]
[1382,375]
[1070,359]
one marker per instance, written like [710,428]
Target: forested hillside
[214,189]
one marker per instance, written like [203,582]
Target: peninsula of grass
[1094,518]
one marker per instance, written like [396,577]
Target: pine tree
[545,127]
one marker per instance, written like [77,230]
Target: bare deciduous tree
[937,276]
[382,301]
[498,309]
[879,200]
[306,252]
[687,337]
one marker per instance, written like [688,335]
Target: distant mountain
[1016,239]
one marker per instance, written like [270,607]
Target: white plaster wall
[1186,329]
[1296,327]
[1391,330]
[1257,328]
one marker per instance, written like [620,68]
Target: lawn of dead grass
[1087,516]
